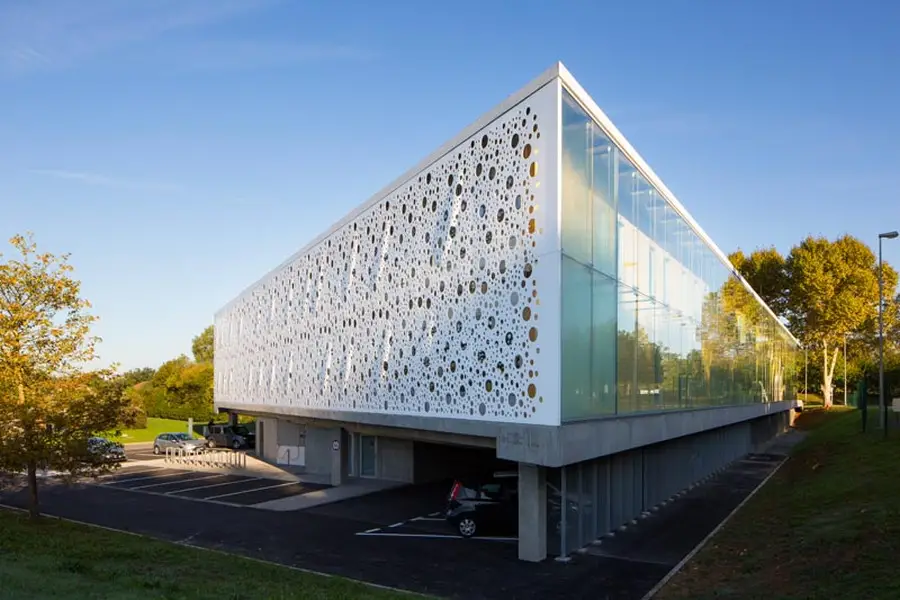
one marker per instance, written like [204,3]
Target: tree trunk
[828,374]
[33,507]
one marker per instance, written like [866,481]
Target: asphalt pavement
[156,478]
[338,538]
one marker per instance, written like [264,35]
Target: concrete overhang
[438,430]
[586,440]
[534,444]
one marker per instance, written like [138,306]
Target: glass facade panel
[603,203]
[576,181]
[576,339]
[652,319]
[603,345]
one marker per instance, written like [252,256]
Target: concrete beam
[585,440]
[438,430]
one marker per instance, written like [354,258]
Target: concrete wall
[319,449]
[612,490]
[267,438]
[395,459]
[291,439]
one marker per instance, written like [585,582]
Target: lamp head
[889,235]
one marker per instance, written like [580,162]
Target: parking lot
[142,452]
[225,488]
[414,512]
[393,537]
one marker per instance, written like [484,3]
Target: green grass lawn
[56,559]
[827,525]
[154,428]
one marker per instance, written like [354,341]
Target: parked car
[106,450]
[176,440]
[476,505]
[230,436]
[491,504]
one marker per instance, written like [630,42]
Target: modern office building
[533,293]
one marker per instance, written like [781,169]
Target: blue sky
[180,149]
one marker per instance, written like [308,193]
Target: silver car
[176,440]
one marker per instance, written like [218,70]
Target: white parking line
[159,476]
[202,487]
[130,474]
[428,519]
[150,485]
[398,524]
[436,536]
[268,487]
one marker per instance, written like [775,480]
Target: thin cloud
[257,55]
[95,179]
[42,34]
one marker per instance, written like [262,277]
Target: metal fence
[206,457]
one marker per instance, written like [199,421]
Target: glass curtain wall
[652,319]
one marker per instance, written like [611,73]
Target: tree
[135,376]
[203,345]
[833,291]
[766,272]
[49,406]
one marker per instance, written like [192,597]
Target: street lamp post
[881,399]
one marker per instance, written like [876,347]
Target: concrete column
[532,513]
[339,449]
[232,419]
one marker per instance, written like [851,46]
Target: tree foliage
[825,291]
[765,270]
[203,346]
[49,405]
[180,389]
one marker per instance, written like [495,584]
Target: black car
[485,504]
[491,503]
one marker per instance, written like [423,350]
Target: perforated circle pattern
[425,304]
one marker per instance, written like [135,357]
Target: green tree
[833,292]
[49,405]
[203,346]
[135,376]
[766,272]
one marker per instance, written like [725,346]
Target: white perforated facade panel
[440,298]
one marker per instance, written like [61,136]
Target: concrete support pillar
[339,449]
[232,418]
[532,513]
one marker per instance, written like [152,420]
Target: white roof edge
[616,137]
[533,86]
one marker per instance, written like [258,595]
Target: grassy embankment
[827,525]
[57,559]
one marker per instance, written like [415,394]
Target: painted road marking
[150,485]
[201,487]
[428,519]
[268,487]
[437,536]
[130,474]
[158,476]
